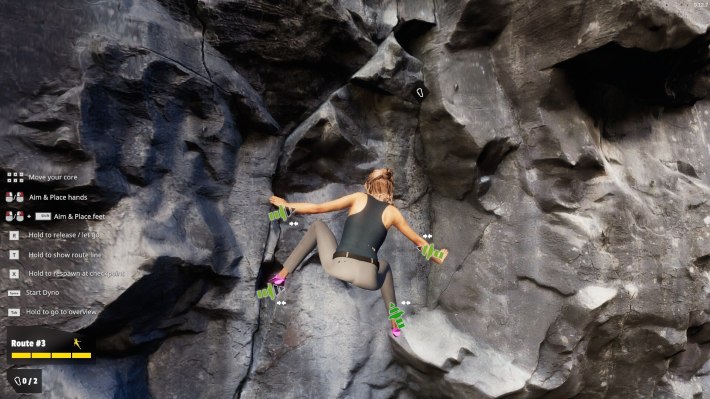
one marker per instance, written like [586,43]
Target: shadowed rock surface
[562,156]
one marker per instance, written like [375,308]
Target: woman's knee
[384,267]
[367,281]
[318,225]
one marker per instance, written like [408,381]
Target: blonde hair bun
[379,184]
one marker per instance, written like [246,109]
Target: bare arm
[307,207]
[401,224]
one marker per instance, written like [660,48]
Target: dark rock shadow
[153,308]
[616,85]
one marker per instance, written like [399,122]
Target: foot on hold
[271,291]
[277,280]
[395,315]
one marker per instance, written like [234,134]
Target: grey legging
[359,273]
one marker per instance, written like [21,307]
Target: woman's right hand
[277,201]
[441,260]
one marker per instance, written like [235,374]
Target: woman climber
[354,260]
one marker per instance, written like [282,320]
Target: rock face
[562,156]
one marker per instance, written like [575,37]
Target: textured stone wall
[562,156]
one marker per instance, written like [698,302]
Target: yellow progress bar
[53,355]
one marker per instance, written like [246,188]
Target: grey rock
[480,24]
[380,16]
[391,70]
[347,132]
[561,347]
[414,18]
[463,121]
[419,10]
[460,365]
[293,53]
[561,156]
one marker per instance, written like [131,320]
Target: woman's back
[365,228]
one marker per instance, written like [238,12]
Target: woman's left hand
[441,260]
[277,201]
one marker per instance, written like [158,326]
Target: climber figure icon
[355,260]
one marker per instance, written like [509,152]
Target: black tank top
[364,232]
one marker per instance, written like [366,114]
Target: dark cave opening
[615,84]
[488,160]
[406,32]
[164,297]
